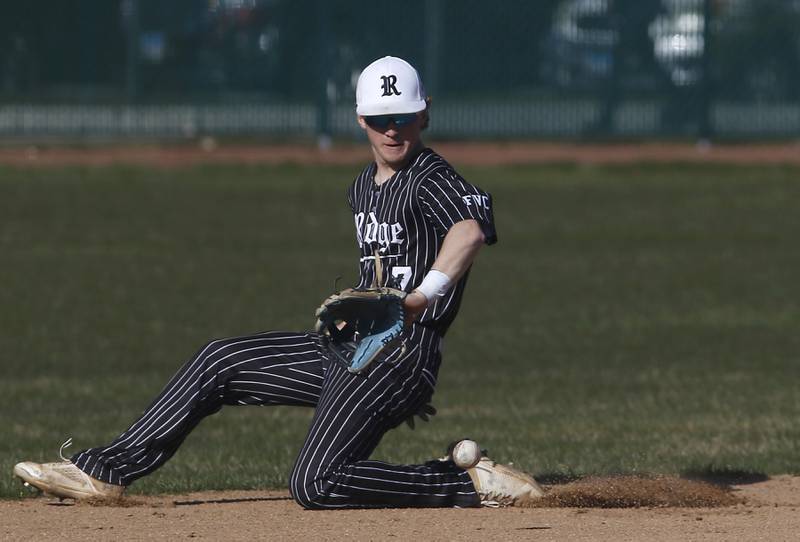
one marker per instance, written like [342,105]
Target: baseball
[466,453]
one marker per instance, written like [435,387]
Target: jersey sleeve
[447,199]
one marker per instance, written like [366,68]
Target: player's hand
[425,412]
[414,304]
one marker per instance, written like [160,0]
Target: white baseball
[466,453]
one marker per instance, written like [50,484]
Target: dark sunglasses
[383,121]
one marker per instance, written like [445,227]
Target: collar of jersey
[411,163]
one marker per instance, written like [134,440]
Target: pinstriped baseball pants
[353,411]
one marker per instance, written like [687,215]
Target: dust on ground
[211,151]
[637,492]
[617,508]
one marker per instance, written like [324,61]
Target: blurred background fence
[595,69]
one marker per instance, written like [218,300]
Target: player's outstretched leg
[269,368]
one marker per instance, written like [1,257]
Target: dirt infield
[209,151]
[605,509]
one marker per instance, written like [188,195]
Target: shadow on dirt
[725,477]
[195,502]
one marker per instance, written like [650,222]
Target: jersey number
[402,275]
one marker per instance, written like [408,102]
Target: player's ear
[361,122]
[426,119]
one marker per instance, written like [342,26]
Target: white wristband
[435,284]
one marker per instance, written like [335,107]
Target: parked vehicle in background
[639,42]
[579,50]
[678,41]
[755,46]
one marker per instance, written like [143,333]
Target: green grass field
[637,319]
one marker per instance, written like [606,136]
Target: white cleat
[503,485]
[65,480]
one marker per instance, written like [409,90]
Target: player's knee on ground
[305,493]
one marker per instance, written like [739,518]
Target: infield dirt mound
[636,492]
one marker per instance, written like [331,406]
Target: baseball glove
[359,324]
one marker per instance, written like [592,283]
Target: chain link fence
[594,69]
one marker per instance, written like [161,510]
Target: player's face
[394,138]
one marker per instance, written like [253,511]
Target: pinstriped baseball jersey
[405,220]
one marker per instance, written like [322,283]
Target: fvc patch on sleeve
[446,199]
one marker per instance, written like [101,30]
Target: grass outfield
[636,319]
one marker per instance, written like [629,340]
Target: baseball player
[425,224]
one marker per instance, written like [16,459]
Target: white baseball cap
[387,86]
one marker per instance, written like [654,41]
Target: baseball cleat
[65,480]
[502,485]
